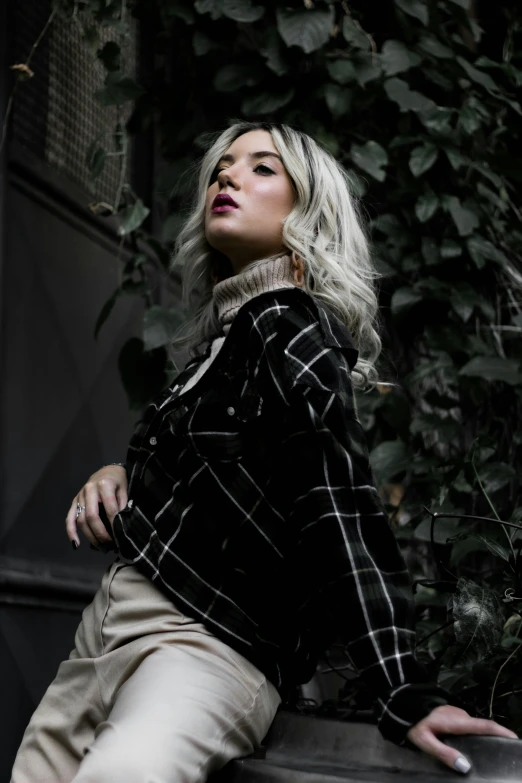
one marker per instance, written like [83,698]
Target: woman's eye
[262,166]
[266,171]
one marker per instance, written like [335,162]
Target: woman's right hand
[108,486]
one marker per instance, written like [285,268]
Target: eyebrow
[228,158]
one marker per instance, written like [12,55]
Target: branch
[24,70]
[496,679]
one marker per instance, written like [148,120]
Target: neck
[257,278]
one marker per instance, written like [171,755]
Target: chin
[225,242]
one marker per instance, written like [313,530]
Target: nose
[225,178]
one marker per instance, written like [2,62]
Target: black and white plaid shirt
[252,506]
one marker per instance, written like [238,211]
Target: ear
[298,267]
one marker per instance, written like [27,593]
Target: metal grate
[55,114]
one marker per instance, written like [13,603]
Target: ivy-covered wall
[419,99]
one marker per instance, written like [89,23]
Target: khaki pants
[147,696]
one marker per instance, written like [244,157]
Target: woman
[250,534]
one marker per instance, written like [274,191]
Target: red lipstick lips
[223,203]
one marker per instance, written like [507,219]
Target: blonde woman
[248,530]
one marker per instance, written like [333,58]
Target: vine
[419,100]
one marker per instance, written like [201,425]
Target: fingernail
[74,544]
[462,765]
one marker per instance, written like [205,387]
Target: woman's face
[252,174]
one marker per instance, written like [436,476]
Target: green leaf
[134,287]
[338,99]
[136,263]
[416,8]
[455,158]
[308,29]
[442,529]
[487,542]
[426,206]
[110,55]
[235,76]
[271,50]
[328,140]
[403,299]
[486,172]
[266,102]
[202,44]
[367,67]
[469,118]
[479,77]
[430,250]
[90,35]
[397,58]
[370,157]
[447,428]
[464,299]
[481,249]
[437,119]
[106,311]
[242,10]
[427,369]
[132,217]
[450,249]
[353,34]
[389,459]
[496,475]
[96,161]
[341,71]
[182,9]
[212,7]
[388,224]
[431,45]
[159,326]
[509,642]
[118,89]
[493,368]
[465,220]
[399,91]
[491,196]
[436,76]
[422,159]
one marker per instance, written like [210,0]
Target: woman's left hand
[451,720]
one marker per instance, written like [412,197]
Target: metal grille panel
[55,114]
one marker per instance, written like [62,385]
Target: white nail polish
[462,765]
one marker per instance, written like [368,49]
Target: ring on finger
[79,510]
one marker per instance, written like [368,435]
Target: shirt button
[231,411]
[153,441]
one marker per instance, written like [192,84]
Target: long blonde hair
[324,228]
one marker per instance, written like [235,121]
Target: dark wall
[63,410]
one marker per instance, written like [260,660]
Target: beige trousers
[146,696]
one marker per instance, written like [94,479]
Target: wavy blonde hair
[324,228]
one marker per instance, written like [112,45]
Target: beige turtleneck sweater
[234,292]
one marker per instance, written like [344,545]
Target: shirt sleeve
[354,584]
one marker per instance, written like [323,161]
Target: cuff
[406,706]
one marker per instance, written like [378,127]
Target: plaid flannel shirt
[253,507]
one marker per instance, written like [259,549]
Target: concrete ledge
[319,750]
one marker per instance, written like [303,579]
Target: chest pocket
[216,426]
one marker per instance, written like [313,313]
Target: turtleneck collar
[230,294]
